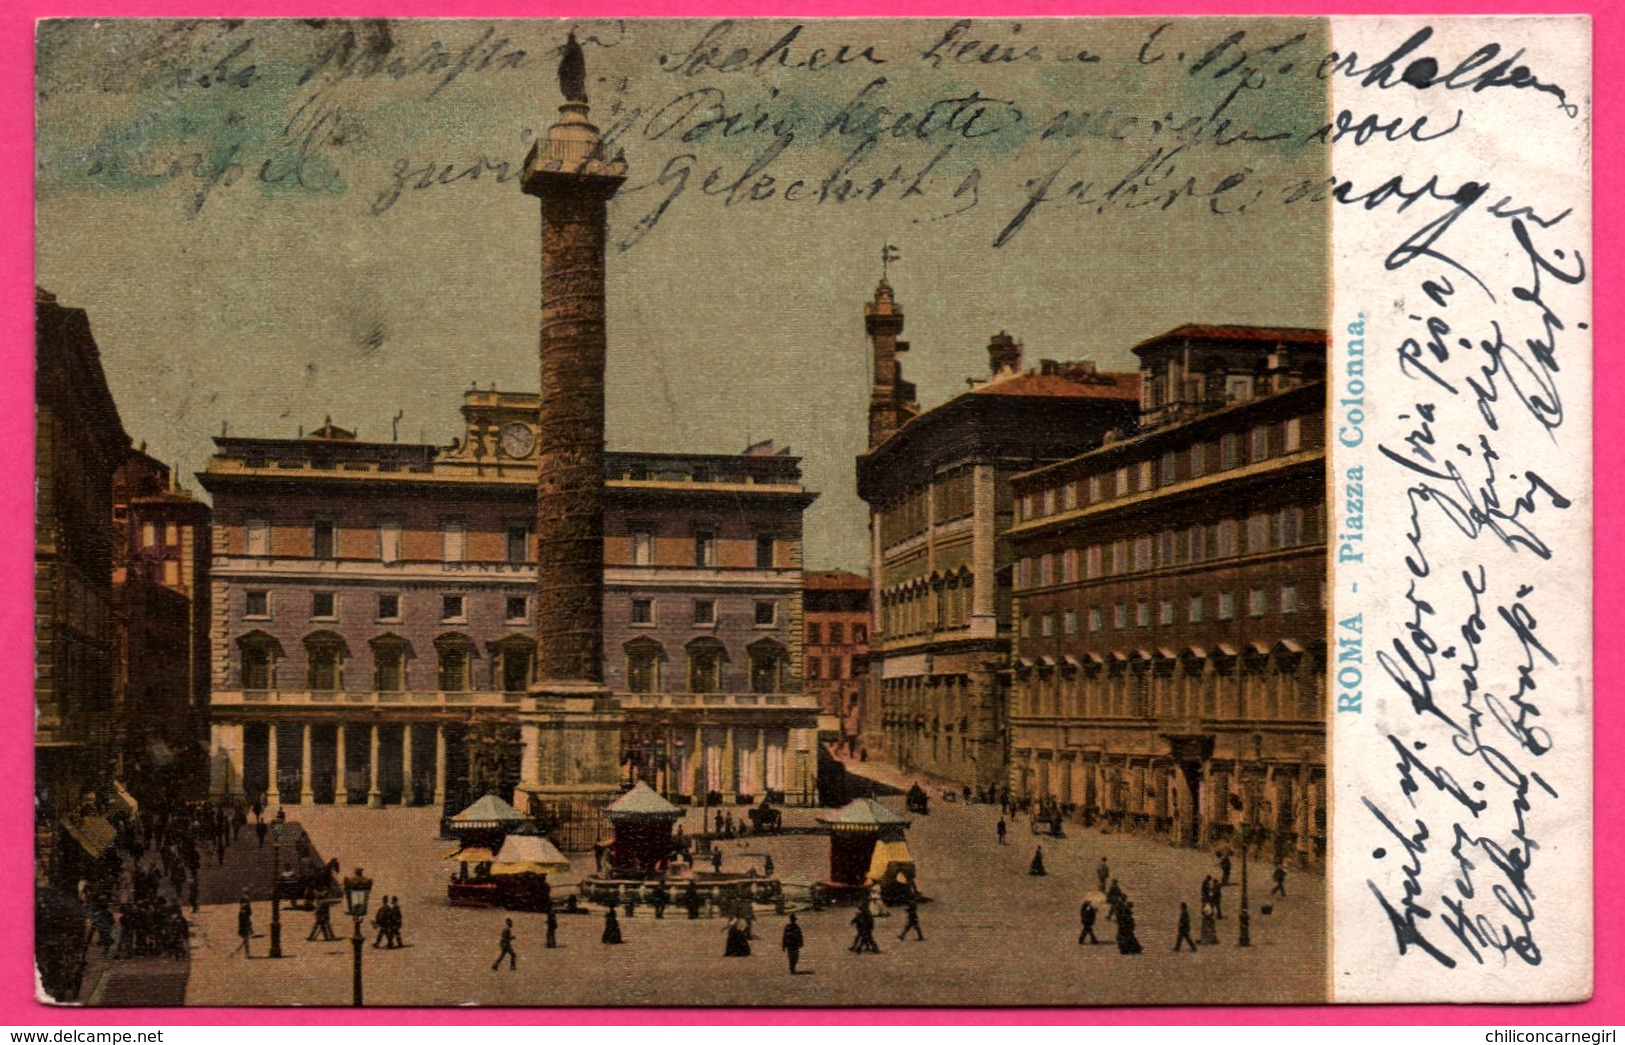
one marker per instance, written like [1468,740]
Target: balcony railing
[488,698]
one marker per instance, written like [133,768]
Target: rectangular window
[1093,562]
[1238,387]
[1196,544]
[1046,625]
[1166,540]
[1145,476]
[1046,569]
[1119,557]
[1229,451]
[1170,468]
[1120,616]
[453,540]
[1257,602]
[1069,622]
[1227,605]
[1198,460]
[149,535]
[1196,609]
[518,542]
[453,607]
[643,611]
[1095,623]
[389,607]
[1292,435]
[1120,482]
[837,667]
[1258,445]
[1165,612]
[815,634]
[1069,497]
[259,536]
[1069,566]
[814,668]
[1142,553]
[1142,614]
[518,609]
[172,573]
[323,604]
[643,548]
[257,604]
[1094,488]
[767,613]
[836,633]
[1228,530]
[322,539]
[1289,600]
[705,611]
[1291,527]
[1258,533]
[172,535]
[764,552]
[389,540]
[705,548]
[1049,501]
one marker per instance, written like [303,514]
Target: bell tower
[891,399]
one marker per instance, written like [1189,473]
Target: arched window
[643,659]
[389,656]
[456,655]
[513,662]
[705,658]
[259,653]
[324,661]
[768,663]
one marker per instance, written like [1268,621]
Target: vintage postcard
[1068,512]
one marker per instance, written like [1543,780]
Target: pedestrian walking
[1114,901]
[507,950]
[1224,866]
[1210,929]
[1184,929]
[1086,915]
[791,943]
[913,922]
[1002,829]
[245,924]
[1280,881]
[1216,897]
[395,923]
[322,927]
[380,921]
[716,859]
[864,922]
[552,928]
[1127,941]
[612,927]
[1103,874]
[259,833]
[191,893]
[738,940]
[1036,868]
[691,900]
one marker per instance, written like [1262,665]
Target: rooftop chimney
[1003,354]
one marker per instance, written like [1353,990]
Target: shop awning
[474,854]
[529,854]
[93,833]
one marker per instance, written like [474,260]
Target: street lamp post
[357,888]
[1244,920]
[276,881]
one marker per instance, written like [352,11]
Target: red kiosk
[862,834]
[642,821]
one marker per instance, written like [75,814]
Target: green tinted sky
[222,199]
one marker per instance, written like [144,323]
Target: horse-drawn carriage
[766,820]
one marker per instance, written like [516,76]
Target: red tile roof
[1120,386]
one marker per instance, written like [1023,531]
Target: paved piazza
[994,934]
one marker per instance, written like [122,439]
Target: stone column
[375,798]
[273,796]
[307,794]
[408,792]
[341,786]
[439,765]
[729,781]
[226,763]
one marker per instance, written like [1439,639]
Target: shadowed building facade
[937,486]
[837,665]
[1169,666]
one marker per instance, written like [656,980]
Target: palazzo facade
[373,630]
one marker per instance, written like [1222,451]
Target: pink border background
[17,1005]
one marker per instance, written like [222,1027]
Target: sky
[271,223]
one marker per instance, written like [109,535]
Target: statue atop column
[573,71]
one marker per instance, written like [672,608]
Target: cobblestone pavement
[993,934]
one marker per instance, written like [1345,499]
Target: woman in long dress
[738,945]
[1037,867]
[1127,942]
[612,927]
